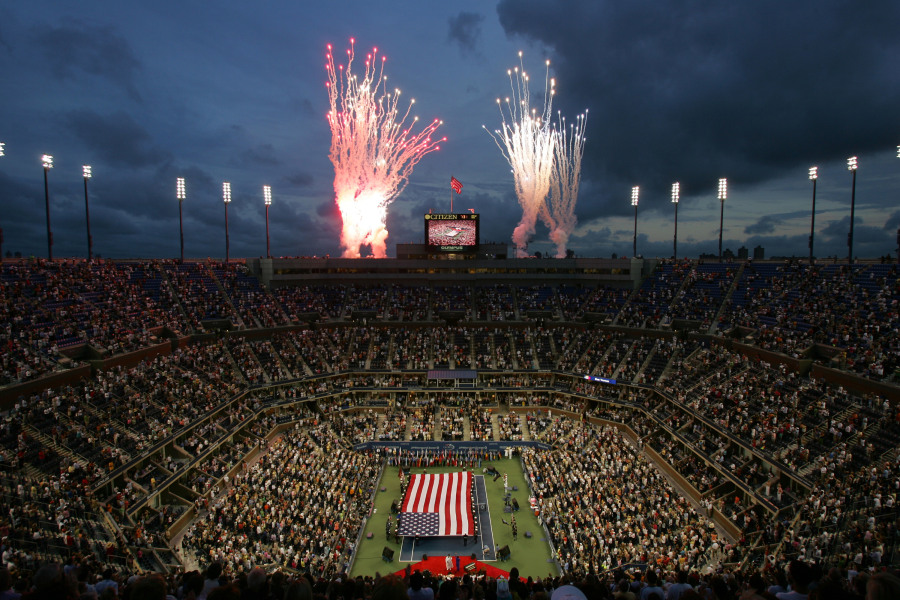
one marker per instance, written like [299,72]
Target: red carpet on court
[437,565]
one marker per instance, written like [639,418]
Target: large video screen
[452,232]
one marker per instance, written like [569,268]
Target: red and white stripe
[449,495]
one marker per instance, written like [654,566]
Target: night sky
[683,90]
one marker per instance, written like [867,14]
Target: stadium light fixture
[267,198]
[47,162]
[723,195]
[814,176]
[226,197]
[180,194]
[87,173]
[634,202]
[2,153]
[852,164]
[676,195]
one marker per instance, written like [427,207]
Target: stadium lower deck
[149,402]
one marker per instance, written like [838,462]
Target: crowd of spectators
[606,506]
[121,306]
[297,507]
[86,454]
[82,579]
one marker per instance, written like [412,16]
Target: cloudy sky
[678,90]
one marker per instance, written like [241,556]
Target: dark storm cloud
[692,91]
[79,48]
[295,232]
[116,138]
[328,209]
[300,179]
[303,106]
[893,222]
[765,224]
[261,155]
[465,30]
[838,229]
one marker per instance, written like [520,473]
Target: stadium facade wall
[455,446]
[9,395]
[617,272]
[855,382]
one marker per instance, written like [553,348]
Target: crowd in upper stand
[49,308]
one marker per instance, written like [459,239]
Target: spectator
[416,589]
[213,574]
[257,585]
[6,590]
[883,586]
[800,575]
[679,587]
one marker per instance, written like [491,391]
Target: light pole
[814,175]
[676,194]
[226,197]
[723,194]
[852,163]
[86,172]
[47,161]
[2,153]
[180,195]
[267,198]
[634,202]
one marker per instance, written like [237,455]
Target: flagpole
[451,194]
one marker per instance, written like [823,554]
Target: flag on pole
[437,505]
[456,184]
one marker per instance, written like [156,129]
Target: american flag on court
[438,505]
[456,184]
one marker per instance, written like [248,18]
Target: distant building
[759,253]
[743,253]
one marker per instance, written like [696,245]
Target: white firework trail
[526,140]
[559,211]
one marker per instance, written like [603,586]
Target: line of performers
[423,457]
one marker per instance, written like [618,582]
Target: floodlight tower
[180,195]
[86,173]
[814,176]
[676,194]
[852,164]
[47,162]
[267,198]
[723,194]
[226,197]
[2,153]
[634,202]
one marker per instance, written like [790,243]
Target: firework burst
[559,211]
[373,149]
[526,139]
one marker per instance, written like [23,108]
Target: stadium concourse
[708,423]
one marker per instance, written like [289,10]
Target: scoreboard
[452,232]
